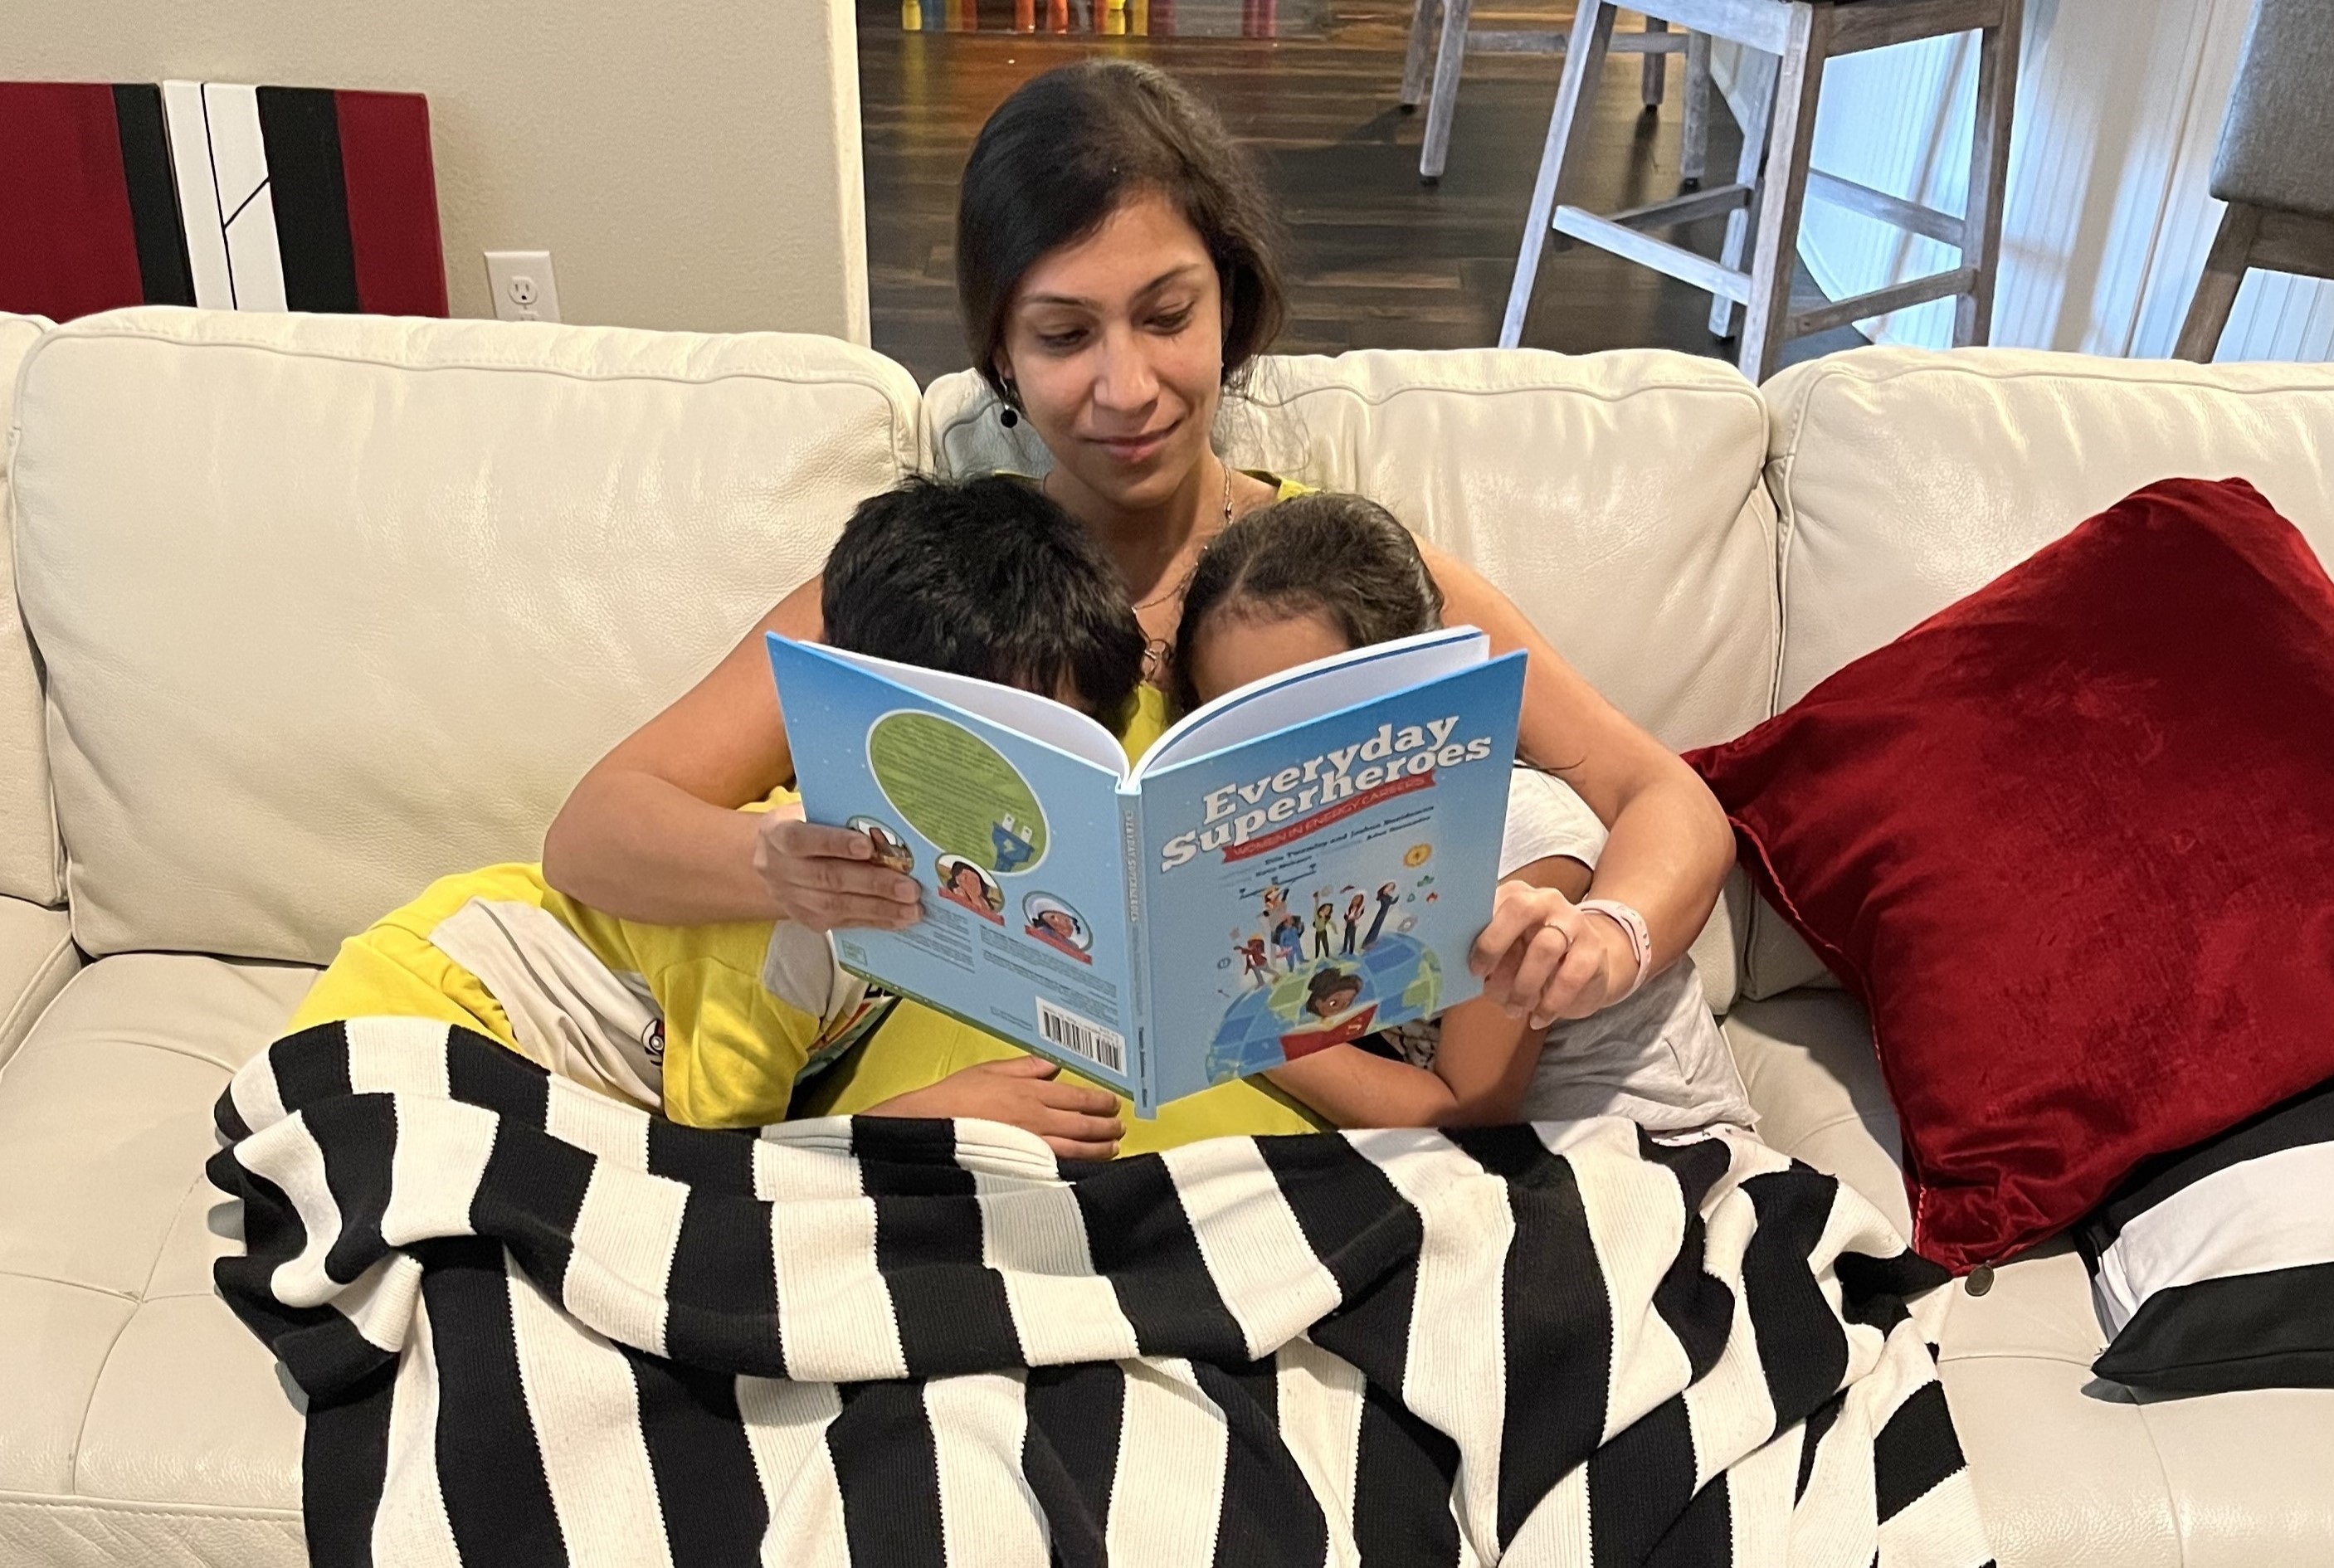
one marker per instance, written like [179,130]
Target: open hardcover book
[1298,863]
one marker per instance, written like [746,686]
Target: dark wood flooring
[1380,261]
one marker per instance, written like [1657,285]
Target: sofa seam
[48,966]
[156,1510]
[106,1291]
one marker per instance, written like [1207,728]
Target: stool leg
[1444,102]
[1414,63]
[1997,99]
[1758,113]
[2216,291]
[1693,148]
[1653,72]
[1767,321]
[1584,61]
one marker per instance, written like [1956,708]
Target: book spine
[1138,950]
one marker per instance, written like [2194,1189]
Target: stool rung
[1716,202]
[1910,215]
[1542,41]
[1671,260]
[1880,302]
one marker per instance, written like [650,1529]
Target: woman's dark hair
[1341,557]
[1065,152]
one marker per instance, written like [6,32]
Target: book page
[1322,882]
[1040,718]
[1014,844]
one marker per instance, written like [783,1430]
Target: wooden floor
[1381,261]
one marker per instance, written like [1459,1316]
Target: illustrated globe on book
[1397,980]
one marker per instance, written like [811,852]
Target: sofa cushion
[2071,1472]
[144,1423]
[375,592]
[30,866]
[1906,478]
[37,958]
[1615,497]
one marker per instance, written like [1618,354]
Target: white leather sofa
[321,608]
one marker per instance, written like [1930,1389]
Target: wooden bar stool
[2275,167]
[1656,44]
[1763,208]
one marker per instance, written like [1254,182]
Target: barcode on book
[1081,1036]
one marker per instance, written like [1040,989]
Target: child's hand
[823,877]
[1543,958]
[1077,1122]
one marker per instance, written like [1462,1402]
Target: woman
[1117,272]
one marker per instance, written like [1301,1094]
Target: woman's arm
[653,833]
[1669,845]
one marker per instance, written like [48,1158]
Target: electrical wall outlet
[523,285]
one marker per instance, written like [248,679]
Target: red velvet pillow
[2072,841]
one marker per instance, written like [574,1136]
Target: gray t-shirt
[1656,1057]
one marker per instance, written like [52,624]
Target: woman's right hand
[822,878]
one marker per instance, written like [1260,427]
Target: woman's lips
[1134,448]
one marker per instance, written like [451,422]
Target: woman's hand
[1077,1122]
[1543,958]
[822,878]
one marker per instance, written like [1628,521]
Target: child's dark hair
[984,578]
[1341,557]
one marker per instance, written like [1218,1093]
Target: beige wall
[689,163]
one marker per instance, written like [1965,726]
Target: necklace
[1158,651]
[1166,594]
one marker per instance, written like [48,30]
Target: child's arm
[1481,1067]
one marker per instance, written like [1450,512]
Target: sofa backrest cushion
[31,864]
[1615,497]
[1907,478]
[334,606]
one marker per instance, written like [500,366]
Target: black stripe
[1141,1239]
[707,1486]
[706,1160]
[165,276]
[1820,1421]
[1698,1164]
[721,1295]
[1267,1513]
[2307,1117]
[319,1348]
[311,1067]
[1872,1290]
[1354,1218]
[1640,1484]
[2274,1329]
[888,1470]
[1403,1478]
[489,1455]
[949,1307]
[357,1137]
[528,1198]
[1372,1331]
[1703,1533]
[1069,1455]
[301,128]
[229,1121]
[1559,1319]
[344,1461]
[1802,1349]
[1914,1451]
[480,1071]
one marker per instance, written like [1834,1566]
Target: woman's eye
[1060,343]
[1172,321]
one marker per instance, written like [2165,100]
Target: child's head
[985,577]
[1308,577]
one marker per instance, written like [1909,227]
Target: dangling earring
[1008,415]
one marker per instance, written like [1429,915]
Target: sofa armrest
[37,956]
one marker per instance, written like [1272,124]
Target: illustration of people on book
[1256,965]
[964,883]
[1325,916]
[1012,843]
[1389,895]
[892,851]
[1289,936]
[1333,1017]
[1353,921]
[1058,926]
[1276,907]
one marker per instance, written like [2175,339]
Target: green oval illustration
[958,791]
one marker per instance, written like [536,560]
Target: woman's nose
[1125,381]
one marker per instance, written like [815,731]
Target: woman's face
[1116,346]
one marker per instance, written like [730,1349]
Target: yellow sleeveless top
[918,1047]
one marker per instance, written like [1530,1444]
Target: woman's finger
[834,912]
[792,836]
[1515,908]
[1543,956]
[1074,1149]
[1577,987]
[1077,1097]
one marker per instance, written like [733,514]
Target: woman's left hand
[1544,958]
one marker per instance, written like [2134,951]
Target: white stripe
[397,1056]
[624,1236]
[1255,1252]
[410,1528]
[1035,1236]
[286,1154]
[1853,1226]
[798,1160]
[1759,1498]
[1455,1376]
[380,1302]
[1168,1488]
[988,1514]
[239,165]
[1941,1529]
[586,1407]
[258,1098]
[1556,1533]
[1318,1397]
[2251,1218]
[440,1158]
[834,1311]
[616,1132]
[190,168]
[1637,1224]
[1730,1412]
[786,1427]
[1832,1526]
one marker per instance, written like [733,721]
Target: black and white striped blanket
[535,1326]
